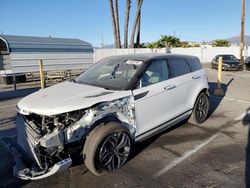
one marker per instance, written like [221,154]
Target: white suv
[116,102]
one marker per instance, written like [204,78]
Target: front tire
[107,148]
[200,110]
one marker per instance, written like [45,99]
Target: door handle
[196,77]
[170,87]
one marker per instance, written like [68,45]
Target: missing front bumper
[29,165]
[23,172]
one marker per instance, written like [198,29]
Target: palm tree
[117,24]
[152,45]
[170,41]
[138,28]
[137,15]
[111,7]
[126,23]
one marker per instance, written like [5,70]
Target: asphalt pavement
[216,154]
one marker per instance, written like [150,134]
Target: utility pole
[242,34]
[102,43]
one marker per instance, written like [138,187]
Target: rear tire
[200,110]
[107,148]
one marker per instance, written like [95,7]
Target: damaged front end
[45,144]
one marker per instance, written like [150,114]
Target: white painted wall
[205,54]
[29,62]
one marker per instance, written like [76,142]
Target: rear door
[182,84]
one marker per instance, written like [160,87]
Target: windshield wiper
[113,74]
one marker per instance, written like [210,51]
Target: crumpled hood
[66,97]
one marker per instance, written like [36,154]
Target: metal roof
[44,44]
[21,54]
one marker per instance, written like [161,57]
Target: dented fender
[122,109]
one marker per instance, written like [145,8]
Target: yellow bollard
[42,74]
[219,91]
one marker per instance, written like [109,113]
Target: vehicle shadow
[140,146]
[6,164]
[215,101]
[246,122]
[7,95]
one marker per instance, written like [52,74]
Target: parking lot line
[233,99]
[240,117]
[184,156]
[238,75]
[238,100]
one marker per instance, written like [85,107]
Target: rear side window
[180,67]
[194,64]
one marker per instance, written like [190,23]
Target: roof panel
[45,44]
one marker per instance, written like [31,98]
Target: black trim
[164,123]
[140,95]
[100,94]
[133,82]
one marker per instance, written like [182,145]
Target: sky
[89,20]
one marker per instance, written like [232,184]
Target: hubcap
[202,109]
[114,151]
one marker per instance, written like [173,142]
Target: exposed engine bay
[52,140]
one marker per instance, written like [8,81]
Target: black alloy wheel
[114,151]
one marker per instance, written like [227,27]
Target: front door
[153,101]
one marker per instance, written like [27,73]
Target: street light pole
[242,34]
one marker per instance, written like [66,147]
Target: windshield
[110,73]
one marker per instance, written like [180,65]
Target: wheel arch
[112,117]
[202,90]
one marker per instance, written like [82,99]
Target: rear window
[180,67]
[248,59]
[229,57]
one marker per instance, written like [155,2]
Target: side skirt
[163,126]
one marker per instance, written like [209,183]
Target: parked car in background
[247,63]
[229,62]
[118,101]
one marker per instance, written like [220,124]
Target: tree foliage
[221,43]
[152,45]
[172,42]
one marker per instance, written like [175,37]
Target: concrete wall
[205,54]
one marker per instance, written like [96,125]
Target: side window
[157,71]
[180,67]
[248,59]
[194,64]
